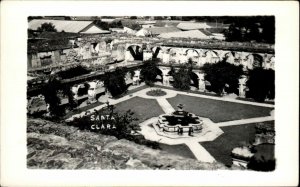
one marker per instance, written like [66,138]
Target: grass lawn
[180,149]
[219,111]
[143,108]
[189,91]
[233,136]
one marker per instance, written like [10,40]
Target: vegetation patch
[219,111]
[236,136]
[156,92]
[73,72]
[223,76]
[143,108]
[108,121]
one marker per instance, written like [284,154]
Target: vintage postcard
[177,93]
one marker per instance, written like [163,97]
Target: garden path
[165,105]
[200,152]
[245,121]
[148,131]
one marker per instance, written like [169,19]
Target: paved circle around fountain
[143,94]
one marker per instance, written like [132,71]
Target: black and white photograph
[136,92]
[151,92]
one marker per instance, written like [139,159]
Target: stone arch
[211,56]
[165,76]
[135,51]
[160,74]
[155,51]
[254,60]
[171,50]
[194,79]
[192,54]
[258,60]
[172,54]
[193,50]
[269,62]
[230,57]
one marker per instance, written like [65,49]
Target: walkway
[149,132]
[165,105]
[199,152]
[245,121]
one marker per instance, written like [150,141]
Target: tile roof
[185,34]
[160,30]
[192,26]
[61,25]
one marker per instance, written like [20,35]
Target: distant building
[146,24]
[108,20]
[155,31]
[187,34]
[187,26]
[85,27]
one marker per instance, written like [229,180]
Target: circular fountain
[179,122]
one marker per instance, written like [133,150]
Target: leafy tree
[116,24]
[68,92]
[233,33]
[261,84]
[158,18]
[268,29]
[122,125]
[47,27]
[51,97]
[182,78]
[102,25]
[149,71]
[172,71]
[223,76]
[115,82]
[73,72]
[263,159]
[134,26]
[133,17]
[251,28]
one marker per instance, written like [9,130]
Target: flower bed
[156,92]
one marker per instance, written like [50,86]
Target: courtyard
[232,122]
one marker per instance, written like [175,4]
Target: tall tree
[150,70]
[47,27]
[223,76]
[251,28]
[115,82]
[182,78]
[261,84]
[51,97]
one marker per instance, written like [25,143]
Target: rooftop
[186,34]
[160,30]
[61,25]
[192,26]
